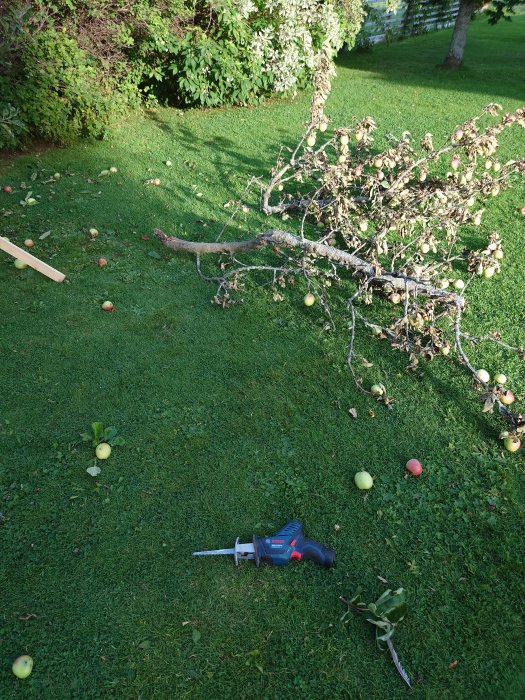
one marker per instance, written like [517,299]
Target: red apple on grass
[414,467]
[507,397]
[28,243]
[7,189]
[108,306]
[101,262]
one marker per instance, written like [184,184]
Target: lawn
[236,421]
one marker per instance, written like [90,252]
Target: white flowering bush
[250,48]
[286,47]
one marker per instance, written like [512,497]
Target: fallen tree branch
[415,219]
[276,237]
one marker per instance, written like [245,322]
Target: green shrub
[11,126]
[67,68]
[60,93]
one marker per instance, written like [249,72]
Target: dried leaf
[453,664]
[352,412]
[27,616]
[488,406]
[93,471]
[366,363]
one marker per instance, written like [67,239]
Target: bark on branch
[276,237]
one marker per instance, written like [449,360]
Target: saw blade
[246,551]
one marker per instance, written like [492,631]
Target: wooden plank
[31,260]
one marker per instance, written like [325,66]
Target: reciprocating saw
[279,549]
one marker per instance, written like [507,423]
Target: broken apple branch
[389,222]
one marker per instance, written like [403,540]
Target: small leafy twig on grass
[100,434]
[101,437]
[386,613]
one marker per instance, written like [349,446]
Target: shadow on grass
[494,57]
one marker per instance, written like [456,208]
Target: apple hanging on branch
[390,225]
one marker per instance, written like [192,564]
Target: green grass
[236,421]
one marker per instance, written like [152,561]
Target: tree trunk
[454,58]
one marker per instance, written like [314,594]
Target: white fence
[412,17]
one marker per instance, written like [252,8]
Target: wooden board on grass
[31,260]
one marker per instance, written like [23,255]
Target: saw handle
[318,553]
[290,543]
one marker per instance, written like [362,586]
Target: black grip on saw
[318,553]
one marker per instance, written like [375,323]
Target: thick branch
[201,248]
[397,281]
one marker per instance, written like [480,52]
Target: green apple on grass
[309,299]
[512,444]
[22,666]
[483,375]
[103,450]
[363,481]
